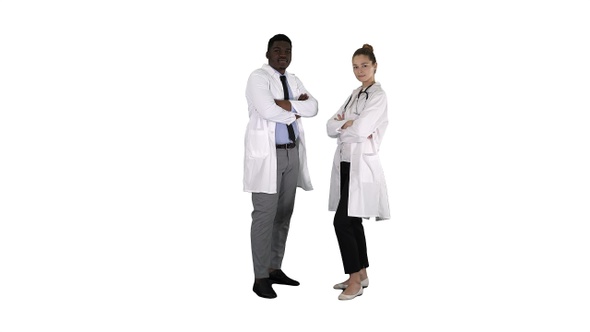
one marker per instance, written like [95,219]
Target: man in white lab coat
[274,160]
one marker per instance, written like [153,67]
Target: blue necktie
[286,97]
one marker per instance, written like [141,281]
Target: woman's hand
[340,117]
[347,124]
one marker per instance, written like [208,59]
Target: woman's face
[363,69]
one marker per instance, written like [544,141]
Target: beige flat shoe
[364,284]
[344,297]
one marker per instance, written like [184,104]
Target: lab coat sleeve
[333,126]
[368,121]
[258,93]
[305,108]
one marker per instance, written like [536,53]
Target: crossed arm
[286,104]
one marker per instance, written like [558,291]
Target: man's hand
[284,104]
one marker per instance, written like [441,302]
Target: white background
[121,146]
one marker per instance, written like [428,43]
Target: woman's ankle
[363,274]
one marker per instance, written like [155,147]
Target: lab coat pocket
[370,183]
[257,144]
[370,167]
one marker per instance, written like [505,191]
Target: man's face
[279,55]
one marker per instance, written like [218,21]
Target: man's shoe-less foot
[263,288]
[279,277]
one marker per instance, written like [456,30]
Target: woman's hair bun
[367,46]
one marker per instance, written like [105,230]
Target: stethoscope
[357,98]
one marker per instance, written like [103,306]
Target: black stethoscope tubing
[359,95]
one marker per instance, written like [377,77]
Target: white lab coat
[260,155]
[368,191]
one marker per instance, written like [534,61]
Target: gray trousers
[272,215]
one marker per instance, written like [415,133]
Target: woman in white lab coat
[357,186]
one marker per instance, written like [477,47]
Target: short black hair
[278,37]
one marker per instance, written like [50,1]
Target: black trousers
[349,230]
